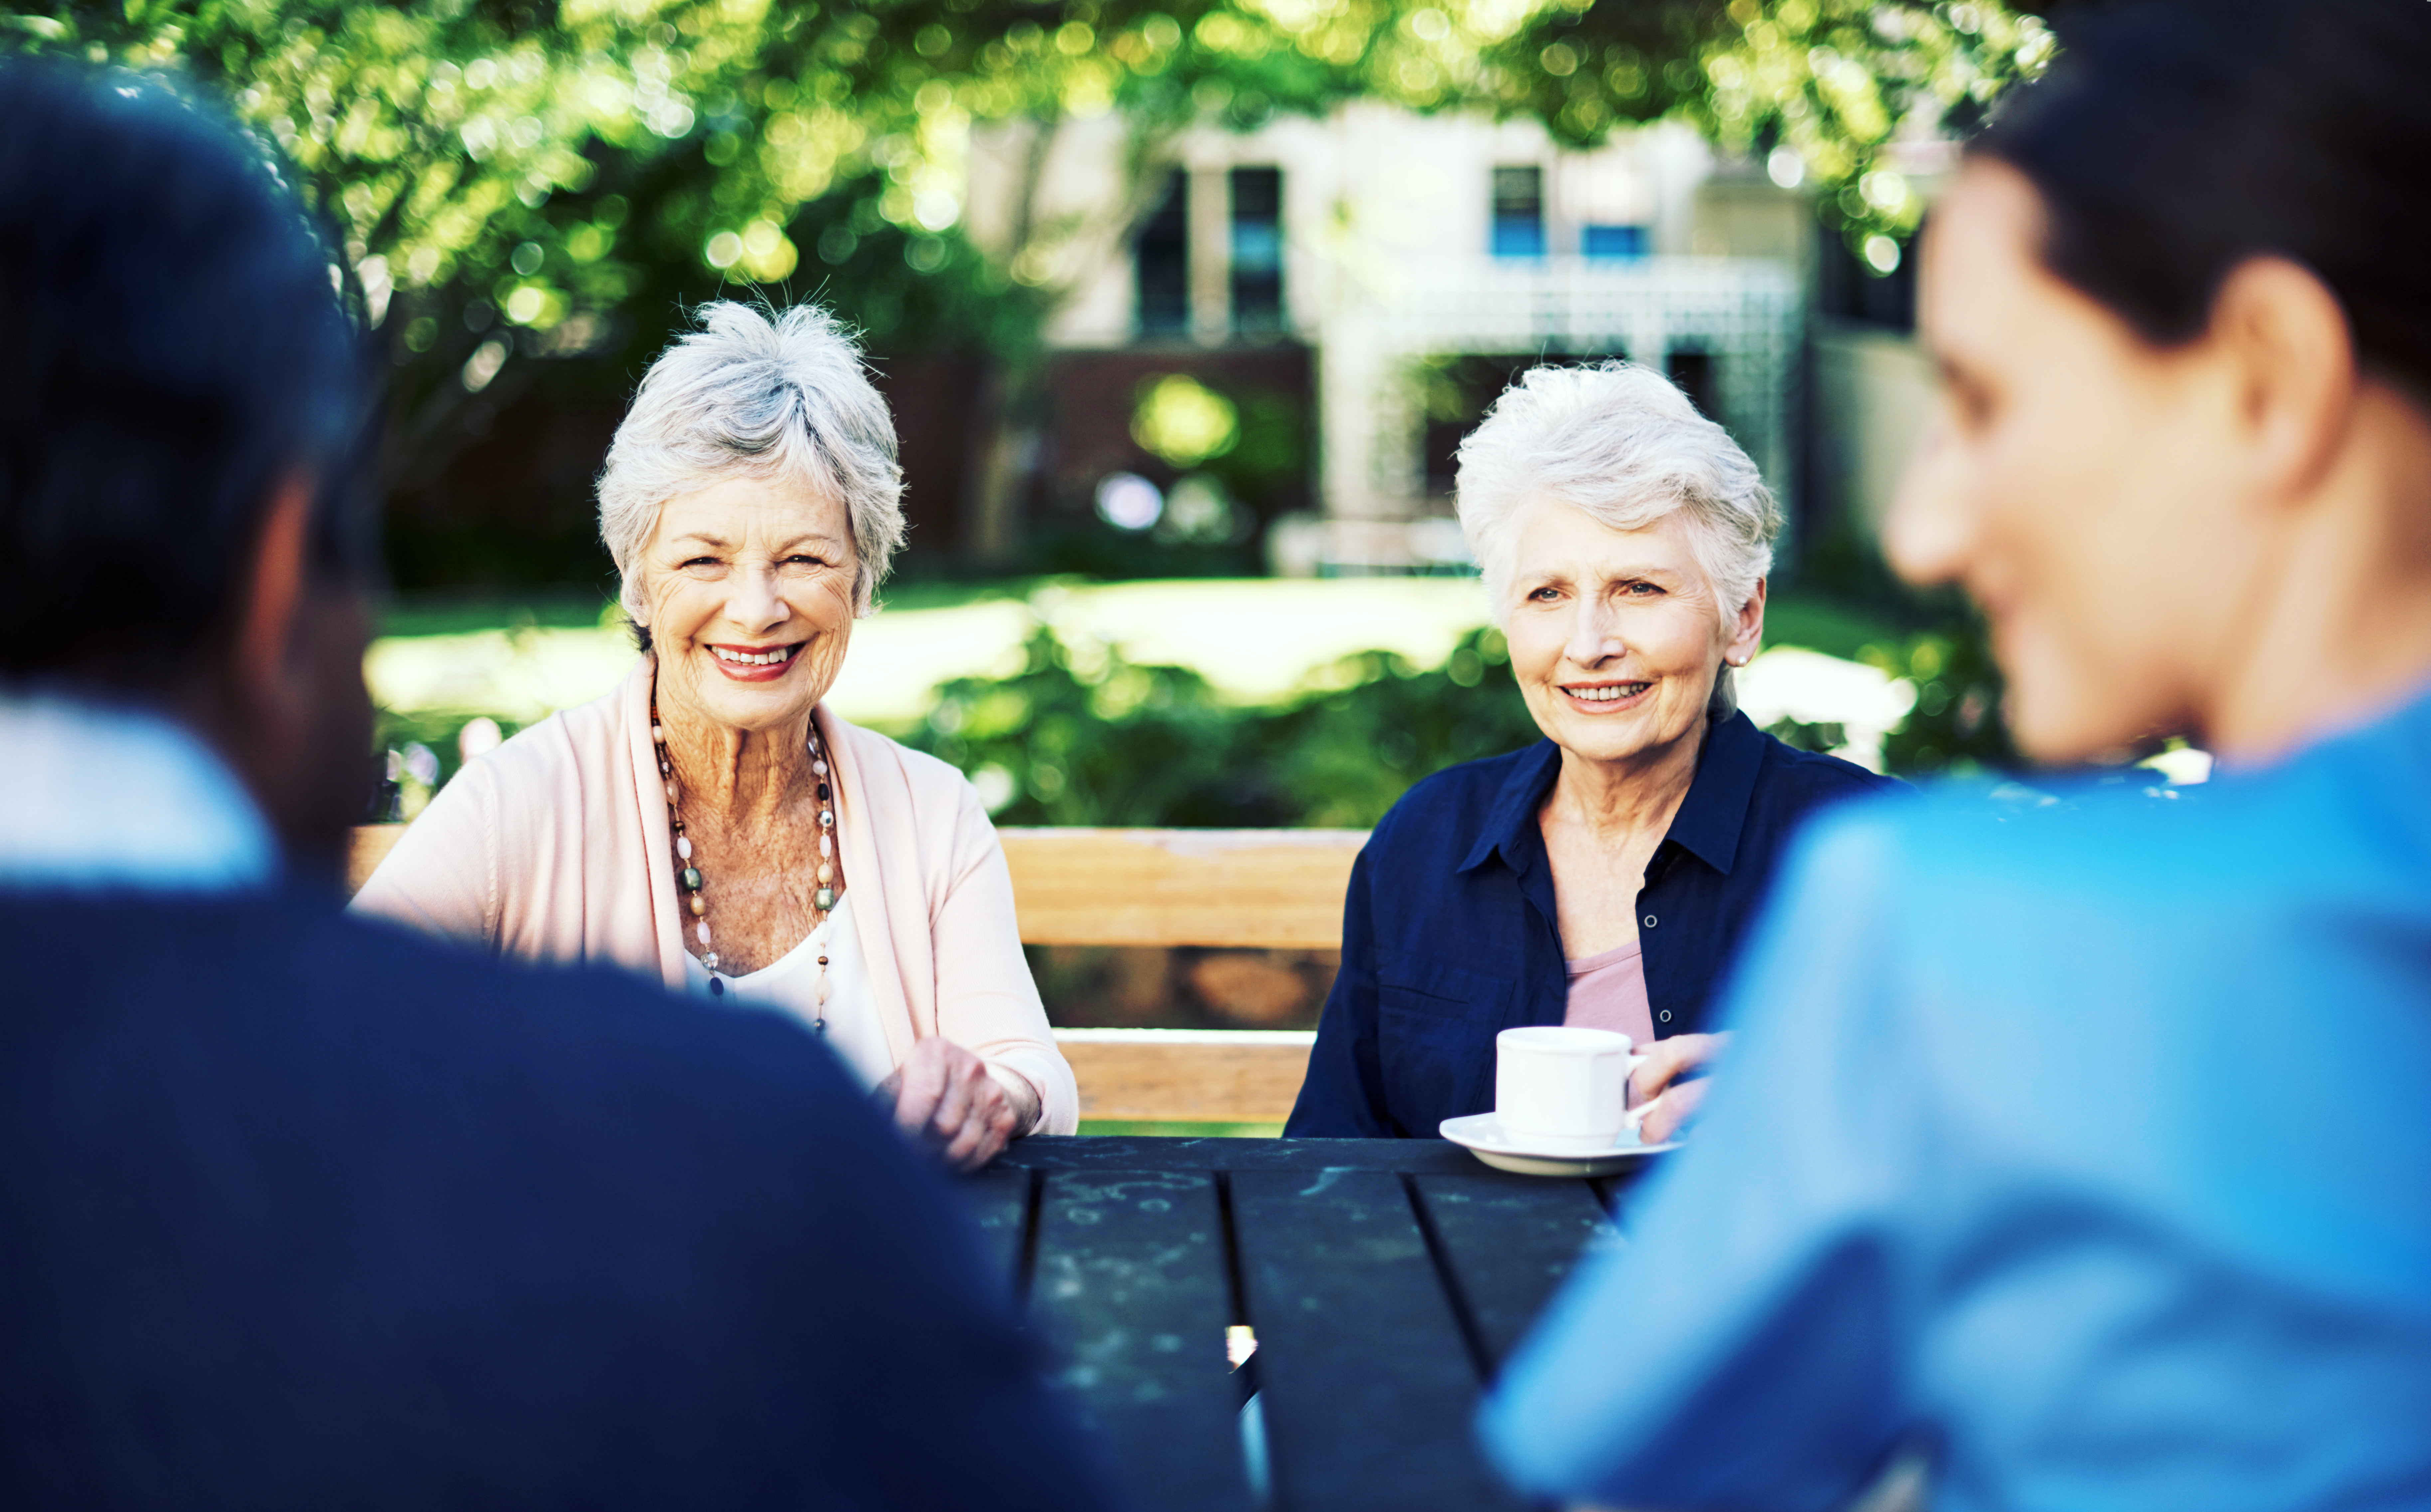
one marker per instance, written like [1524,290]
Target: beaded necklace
[688,876]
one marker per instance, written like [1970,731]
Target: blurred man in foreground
[2089,1148]
[295,1210]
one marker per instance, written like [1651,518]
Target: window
[1160,264]
[1257,249]
[1520,211]
[1613,241]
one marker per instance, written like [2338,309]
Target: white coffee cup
[1565,1090]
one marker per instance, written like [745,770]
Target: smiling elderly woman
[710,823]
[1602,876]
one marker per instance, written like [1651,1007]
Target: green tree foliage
[1862,95]
[516,181]
[1955,726]
[506,174]
[1098,739]
[1851,97]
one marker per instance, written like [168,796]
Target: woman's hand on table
[945,1099]
[1656,1083]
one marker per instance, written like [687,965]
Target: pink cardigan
[554,847]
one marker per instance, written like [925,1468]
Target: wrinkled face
[2072,479]
[746,588]
[1615,634]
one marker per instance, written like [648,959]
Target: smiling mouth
[1606,692]
[742,659]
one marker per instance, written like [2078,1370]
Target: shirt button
[1649,920]
[1665,1016]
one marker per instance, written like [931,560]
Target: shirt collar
[1710,818]
[99,796]
[1708,822]
[1511,823]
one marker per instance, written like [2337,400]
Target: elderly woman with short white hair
[711,823]
[1602,876]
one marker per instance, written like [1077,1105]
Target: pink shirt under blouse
[1609,992]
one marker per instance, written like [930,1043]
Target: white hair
[751,396]
[1620,444]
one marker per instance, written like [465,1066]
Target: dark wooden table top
[1385,1280]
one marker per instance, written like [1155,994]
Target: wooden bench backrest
[1262,888]
[1257,888]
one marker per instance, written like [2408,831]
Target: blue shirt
[1449,934]
[299,1210]
[2091,1145]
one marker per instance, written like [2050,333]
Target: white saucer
[1483,1133]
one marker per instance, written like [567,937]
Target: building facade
[1420,261]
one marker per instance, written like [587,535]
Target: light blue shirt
[2091,1145]
[95,796]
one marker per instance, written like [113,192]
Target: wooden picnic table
[1385,1281]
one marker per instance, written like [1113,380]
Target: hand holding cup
[1661,1100]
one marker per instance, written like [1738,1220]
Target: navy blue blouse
[1450,934]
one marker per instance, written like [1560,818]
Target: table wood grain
[1386,1280]
[1130,1288]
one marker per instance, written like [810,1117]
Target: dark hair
[2175,139]
[172,346]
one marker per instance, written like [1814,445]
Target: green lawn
[1183,1131]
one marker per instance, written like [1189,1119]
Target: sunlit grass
[1176,1129]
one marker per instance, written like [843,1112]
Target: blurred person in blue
[2084,1152]
[299,1210]
[1601,877]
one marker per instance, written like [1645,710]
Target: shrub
[1096,739]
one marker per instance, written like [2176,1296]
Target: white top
[554,847]
[791,985]
[114,796]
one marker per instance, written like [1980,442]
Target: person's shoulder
[938,793]
[924,773]
[1470,781]
[585,1054]
[587,1163]
[1817,776]
[1449,807]
[376,1002]
[477,998]
[2020,849]
[600,721]
[541,756]
[536,779]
